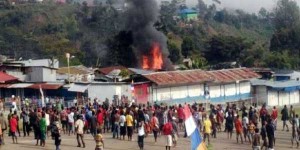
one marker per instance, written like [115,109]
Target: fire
[154,60]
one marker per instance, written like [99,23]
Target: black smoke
[141,16]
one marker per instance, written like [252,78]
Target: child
[43,128]
[238,128]
[206,129]
[245,123]
[99,140]
[256,140]
[213,126]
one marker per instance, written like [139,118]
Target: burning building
[150,45]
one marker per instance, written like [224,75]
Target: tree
[187,46]
[226,49]
[202,8]
[287,31]
[175,54]
[263,13]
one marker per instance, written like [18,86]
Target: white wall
[49,75]
[215,91]
[272,98]
[230,89]
[103,91]
[195,90]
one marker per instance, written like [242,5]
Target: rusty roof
[46,86]
[108,70]
[200,76]
[75,70]
[5,78]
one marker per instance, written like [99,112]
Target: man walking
[79,125]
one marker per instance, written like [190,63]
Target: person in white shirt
[71,122]
[141,134]
[122,125]
[79,125]
[47,118]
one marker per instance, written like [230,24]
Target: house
[188,14]
[191,86]
[43,70]
[112,74]
[276,93]
[283,75]
[77,74]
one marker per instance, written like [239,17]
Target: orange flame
[154,60]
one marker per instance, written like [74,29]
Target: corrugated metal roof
[20,85]
[275,84]
[200,76]
[107,70]
[4,78]
[46,86]
[78,88]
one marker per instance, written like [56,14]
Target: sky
[251,6]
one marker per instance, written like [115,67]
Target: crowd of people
[252,125]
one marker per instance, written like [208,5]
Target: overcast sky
[247,5]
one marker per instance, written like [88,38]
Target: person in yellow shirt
[206,128]
[99,141]
[129,123]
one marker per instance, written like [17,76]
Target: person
[167,131]
[43,129]
[174,131]
[129,123]
[206,129]
[263,114]
[141,134]
[25,118]
[251,131]
[256,140]
[93,124]
[274,116]
[18,127]
[122,125]
[13,124]
[64,120]
[154,126]
[292,113]
[263,134]
[99,140]
[4,126]
[239,129]
[229,125]
[180,117]
[47,118]
[285,118]
[1,134]
[79,125]
[55,133]
[1,105]
[116,124]
[295,129]
[71,122]
[270,134]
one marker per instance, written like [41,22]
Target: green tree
[175,54]
[226,49]
[187,46]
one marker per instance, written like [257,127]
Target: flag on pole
[192,131]
[42,96]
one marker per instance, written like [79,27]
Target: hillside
[44,30]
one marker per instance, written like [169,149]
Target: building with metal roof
[190,86]
[275,93]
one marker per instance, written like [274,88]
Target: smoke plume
[140,18]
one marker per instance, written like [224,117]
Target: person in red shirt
[167,131]
[238,128]
[100,120]
[274,116]
[180,116]
[13,124]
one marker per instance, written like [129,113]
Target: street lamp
[68,61]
